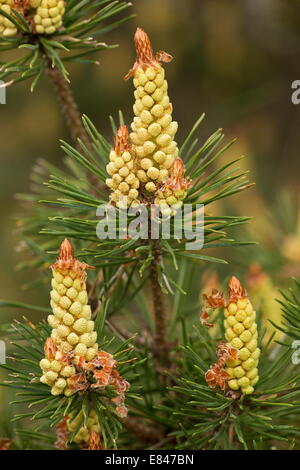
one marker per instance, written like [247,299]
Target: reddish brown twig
[144,430]
[68,105]
[161,345]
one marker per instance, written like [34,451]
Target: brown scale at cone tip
[122,140]
[21,5]
[66,251]
[50,349]
[178,168]
[62,434]
[177,180]
[144,49]
[143,46]
[67,260]
[236,289]
[95,441]
[145,55]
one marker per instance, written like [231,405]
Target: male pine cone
[73,330]
[49,16]
[123,181]
[153,130]
[83,434]
[241,334]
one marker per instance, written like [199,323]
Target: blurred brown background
[234,60]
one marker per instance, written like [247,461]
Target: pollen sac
[241,334]
[48,16]
[7,27]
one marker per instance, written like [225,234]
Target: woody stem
[144,430]
[71,113]
[161,346]
[68,104]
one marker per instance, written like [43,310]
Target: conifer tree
[124,360]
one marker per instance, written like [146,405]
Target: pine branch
[143,430]
[69,107]
[161,345]
[73,40]
[70,111]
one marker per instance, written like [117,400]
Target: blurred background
[235,61]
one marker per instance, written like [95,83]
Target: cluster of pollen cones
[236,370]
[144,165]
[42,16]
[73,362]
